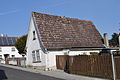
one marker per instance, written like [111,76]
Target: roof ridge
[62,17]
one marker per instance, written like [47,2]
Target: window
[36,56]
[34,35]
[0,49]
[12,49]
[0,56]
[13,56]
[33,56]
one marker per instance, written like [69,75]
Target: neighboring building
[7,48]
[51,35]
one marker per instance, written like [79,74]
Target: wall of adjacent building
[8,50]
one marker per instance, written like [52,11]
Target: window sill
[36,61]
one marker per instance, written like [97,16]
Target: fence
[96,65]
[16,61]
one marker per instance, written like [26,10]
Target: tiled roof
[62,32]
[7,41]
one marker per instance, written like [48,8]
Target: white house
[7,48]
[50,35]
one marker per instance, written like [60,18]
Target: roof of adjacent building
[58,32]
[7,41]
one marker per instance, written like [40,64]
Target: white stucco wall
[8,50]
[33,45]
[72,53]
[52,55]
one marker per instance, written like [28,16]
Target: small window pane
[13,49]
[0,56]
[0,49]
[33,56]
[38,55]
[34,35]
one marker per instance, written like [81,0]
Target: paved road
[14,74]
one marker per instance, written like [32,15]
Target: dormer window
[34,37]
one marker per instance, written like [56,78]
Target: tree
[114,42]
[20,44]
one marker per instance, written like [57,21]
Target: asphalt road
[14,74]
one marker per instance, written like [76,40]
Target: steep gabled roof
[7,41]
[62,32]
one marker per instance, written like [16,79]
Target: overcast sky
[15,14]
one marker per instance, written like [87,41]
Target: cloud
[8,12]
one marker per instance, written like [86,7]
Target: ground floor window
[36,55]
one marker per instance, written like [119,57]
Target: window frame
[34,36]
[1,56]
[33,56]
[36,56]
[0,49]
[13,49]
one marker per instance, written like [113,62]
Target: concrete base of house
[44,68]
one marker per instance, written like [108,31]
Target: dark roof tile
[63,32]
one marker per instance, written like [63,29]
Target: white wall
[33,45]
[72,53]
[51,62]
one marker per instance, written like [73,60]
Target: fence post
[113,66]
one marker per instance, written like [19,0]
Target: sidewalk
[57,73]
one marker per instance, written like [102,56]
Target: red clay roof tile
[63,32]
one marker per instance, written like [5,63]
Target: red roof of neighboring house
[58,32]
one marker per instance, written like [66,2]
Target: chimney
[106,42]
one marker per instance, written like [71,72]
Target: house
[7,48]
[51,35]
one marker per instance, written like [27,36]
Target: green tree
[21,43]
[114,42]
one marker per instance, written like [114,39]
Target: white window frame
[0,56]
[33,56]
[36,56]
[13,49]
[0,49]
[34,36]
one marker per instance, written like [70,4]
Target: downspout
[119,40]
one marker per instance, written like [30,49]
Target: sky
[15,14]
